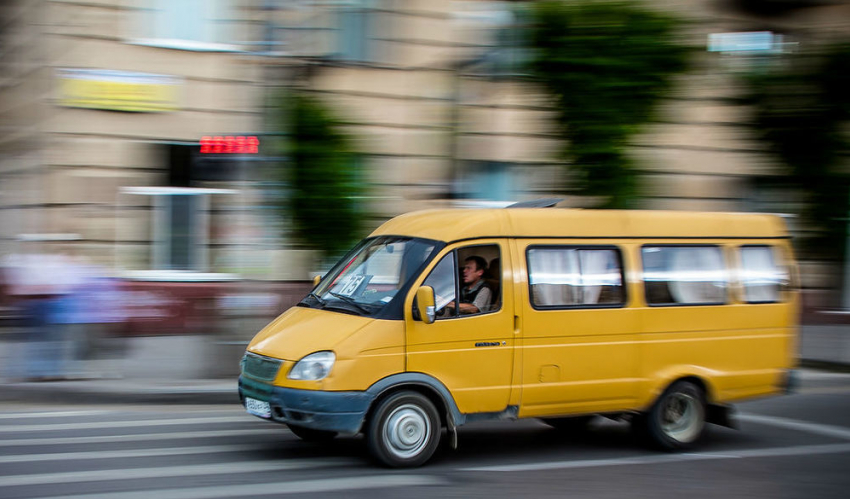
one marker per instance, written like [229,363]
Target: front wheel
[404,430]
[677,418]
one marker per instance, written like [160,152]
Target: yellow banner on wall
[118,90]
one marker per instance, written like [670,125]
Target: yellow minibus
[440,318]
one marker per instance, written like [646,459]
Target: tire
[569,424]
[677,419]
[404,431]
[311,435]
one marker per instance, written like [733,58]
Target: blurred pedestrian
[98,309]
[37,283]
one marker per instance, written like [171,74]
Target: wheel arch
[428,386]
[703,378]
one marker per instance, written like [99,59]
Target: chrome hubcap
[407,431]
[681,417]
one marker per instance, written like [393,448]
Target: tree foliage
[607,63]
[800,112]
[322,201]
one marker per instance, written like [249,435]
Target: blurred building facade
[103,105]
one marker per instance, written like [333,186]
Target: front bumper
[341,412]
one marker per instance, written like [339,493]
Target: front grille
[259,367]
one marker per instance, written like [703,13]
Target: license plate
[258,407]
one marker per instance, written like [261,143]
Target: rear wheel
[311,435]
[677,418]
[404,430]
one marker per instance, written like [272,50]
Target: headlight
[313,367]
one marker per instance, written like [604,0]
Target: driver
[475,294]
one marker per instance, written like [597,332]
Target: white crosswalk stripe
[144,437]
[49,414]
[798,450]
[119,454]
[169,471]
[273,489]
[793,424]
[124,424]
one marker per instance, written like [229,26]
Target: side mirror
[425,304]
[316,280]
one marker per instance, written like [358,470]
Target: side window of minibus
[762,276]
[684,275]
[569,276]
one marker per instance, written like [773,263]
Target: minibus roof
[460,224]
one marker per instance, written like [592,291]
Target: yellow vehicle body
[528,358]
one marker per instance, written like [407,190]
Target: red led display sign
[230,145]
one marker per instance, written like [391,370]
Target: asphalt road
[796,446]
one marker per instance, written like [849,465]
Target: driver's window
[442,279]
[475,271]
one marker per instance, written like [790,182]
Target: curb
[88,392]
[823,365]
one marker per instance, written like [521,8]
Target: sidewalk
[188,369]
[122,391]
[174,374]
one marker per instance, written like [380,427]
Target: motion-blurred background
[180,169]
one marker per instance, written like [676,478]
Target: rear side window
[761,276]
[575,277]
[684,275]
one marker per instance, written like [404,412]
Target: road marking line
[823,391]
[669,458]
[800,450]
[123,424]
[132,438]
[594,463]
[118,454]
[810,374]
[794,424]
[275,488]
[171,471]
[48,414]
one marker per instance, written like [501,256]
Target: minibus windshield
[369,277]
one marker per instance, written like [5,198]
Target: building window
[180,241]
[354,37]
[187,24]
[491,181]
[180,236]
[575,277]
[684,275]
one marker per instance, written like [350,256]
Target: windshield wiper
[351,301]
[317,298]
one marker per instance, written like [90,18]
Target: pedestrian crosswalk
[176,454]
[217,452]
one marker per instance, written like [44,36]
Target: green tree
[607,63]
[801,108]
[322,178]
